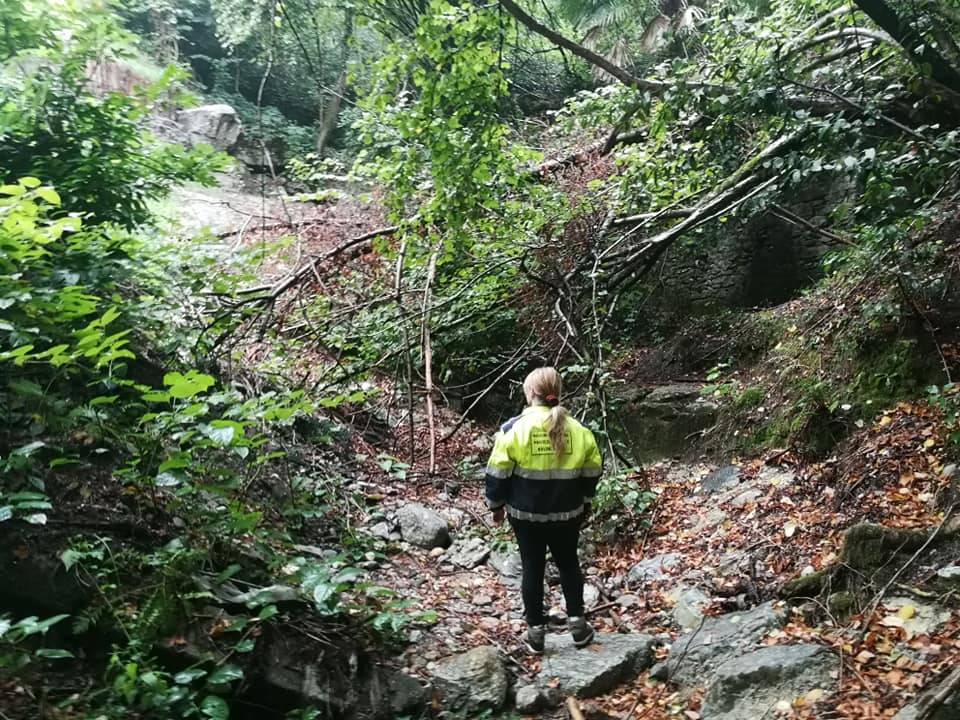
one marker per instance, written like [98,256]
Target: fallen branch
[791,217]
[271,226]
[596,149]
[736,189]
[308,268]
[716,206]
[595,59]
[516,360]
[644,217]
[402,317]
[842,33]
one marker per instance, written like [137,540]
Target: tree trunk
[331,108]
[927,58]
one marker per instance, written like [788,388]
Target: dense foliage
[549,171]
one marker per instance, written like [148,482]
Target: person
[542,474]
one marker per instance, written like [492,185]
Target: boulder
[529,699]
[367,690]
[591,595]
[653,568]
[774,477]
[381,531]
[695,656]
[468,553]
[711,521]
[509,566]
[950,573]
[750,685]
[721,479]
[611,660]
[663,422]
[259,157]
[422,526]
[948,579]
[472,680]
[389,694]
[689,605]
[216,125]
[455,517]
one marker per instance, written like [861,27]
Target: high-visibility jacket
[526,475]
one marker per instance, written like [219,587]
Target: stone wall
[758,262]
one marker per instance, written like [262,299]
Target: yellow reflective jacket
[535,484]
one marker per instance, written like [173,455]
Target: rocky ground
[693,614]
[745,593]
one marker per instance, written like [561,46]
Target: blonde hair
[543,387]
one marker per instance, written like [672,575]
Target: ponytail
[543,387]
[557,422]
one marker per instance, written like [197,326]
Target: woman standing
[542,474]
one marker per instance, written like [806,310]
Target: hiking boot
[582,631]
[535,638]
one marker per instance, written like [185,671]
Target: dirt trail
[720,540]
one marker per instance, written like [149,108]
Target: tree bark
[331,109]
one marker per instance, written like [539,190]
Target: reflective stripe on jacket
[526,475]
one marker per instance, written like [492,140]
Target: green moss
[805,585]
[751,397]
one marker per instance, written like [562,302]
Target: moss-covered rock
[868,546]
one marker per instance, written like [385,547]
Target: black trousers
[562,539]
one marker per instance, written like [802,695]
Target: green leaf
[166,479]
[49,194]
[325,595]
[29,449]
[44,625]
[187,386]
[221,436]
[69,558]
[156,396]
[348,575]
[27,388]
[54,653]
[215,707]
[188,676]
[268,612]
[246,645]
[6,512]
[225,675]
